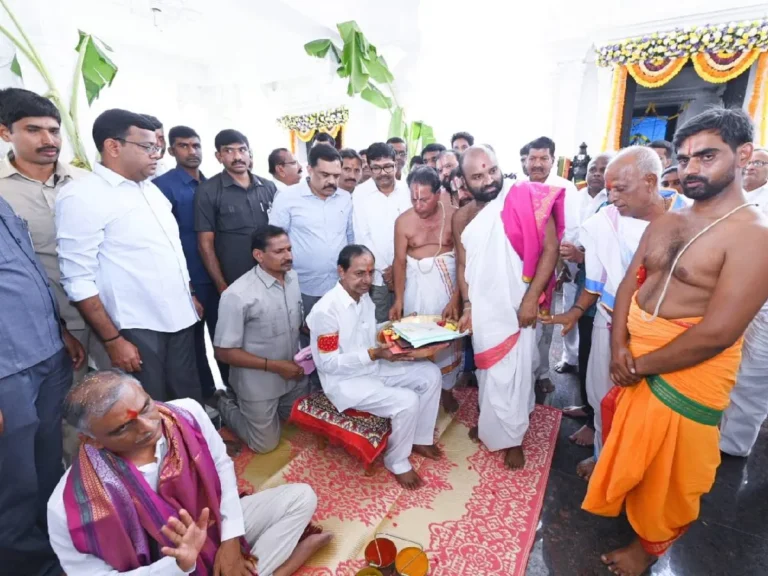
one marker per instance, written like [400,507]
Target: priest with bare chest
[425,266]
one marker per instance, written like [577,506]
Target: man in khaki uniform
[258,335]
[30,178]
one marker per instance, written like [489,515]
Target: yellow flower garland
[710,70]
[645,75]
[611,108]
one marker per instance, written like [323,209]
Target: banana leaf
[97,70]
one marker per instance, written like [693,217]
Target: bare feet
[574,412]
[585,468]
[584,436]
[432,452]
[304,551]
[474,434]
[449,402]
[409,480]
[630,561]
[545,385]
[565,368]
[514,459]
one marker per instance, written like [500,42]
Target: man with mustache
[749,398]
[180,187]
[539,164]
[358,374]
[459,188]
[377,205]
[447,162]
[401,154]
[425,267]
[258,336]
[229,208]
[31,178]
[430,154]
[506,259]
[284,168]
[366,169]
[318,218]
[610,238]
[351,169]
[153,491]
[122,262]
[691,290]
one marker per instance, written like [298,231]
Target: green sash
[682,404]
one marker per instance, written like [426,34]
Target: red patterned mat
[473,517]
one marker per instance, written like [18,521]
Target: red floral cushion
[361,434]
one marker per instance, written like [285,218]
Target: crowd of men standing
[124,268]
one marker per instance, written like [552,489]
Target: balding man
[756,178]
[749,398]
[153,488]
[579,207]
[284,168]
[507,255]
[610,238]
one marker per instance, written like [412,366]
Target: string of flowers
[721,68]
[304,123]
[620,108]
[611,106]
[759,87]
[616,109]
[726,38]
[657,72]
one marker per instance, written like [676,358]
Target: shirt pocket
[233,218]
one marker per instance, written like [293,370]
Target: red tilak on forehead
[132,414]
[483,165]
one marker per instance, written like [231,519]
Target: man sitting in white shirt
[152,491]
[122,263]
[376,206]
[354,375]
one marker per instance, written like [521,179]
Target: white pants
[570,340]
[599,374]
[274,520]
[410,400]
[540,364]
[506,395]
[749,397]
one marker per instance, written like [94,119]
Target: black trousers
[209,298]
[169,363]
[586,324]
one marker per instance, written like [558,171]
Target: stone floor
[730,537]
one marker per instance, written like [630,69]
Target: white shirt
[161,169]
[759,196]
[584,206]
[279,185]
[337,313]
[232,526]
[373,218]
[119,240]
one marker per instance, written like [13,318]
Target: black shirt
[233,214]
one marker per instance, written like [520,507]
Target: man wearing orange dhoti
[676,343]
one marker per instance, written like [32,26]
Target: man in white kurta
[355,373]
[540,167]
[749,398]
[271,521]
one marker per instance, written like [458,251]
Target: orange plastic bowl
[412,562]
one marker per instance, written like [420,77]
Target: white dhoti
[274,521]
[409,398]
[599,373]
[571,340]
[429,284]
[749,398]
[494,273]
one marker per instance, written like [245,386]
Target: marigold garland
[657,72]
[728,37]
[721,67]
[611,106]
[620,108]
[764,121]
[759,87]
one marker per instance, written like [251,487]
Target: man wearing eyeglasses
[401,154]
[284,168]
[229,208]
[376,206]
[122,262]
[756,178]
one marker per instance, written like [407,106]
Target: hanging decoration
[305,125]
[719,67]
[757,108]
[657,71]
[728,38]
[612,136]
